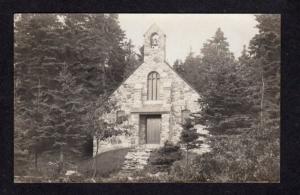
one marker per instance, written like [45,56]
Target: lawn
[107,163]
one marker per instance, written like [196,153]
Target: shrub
[180,172]
[234,158]
[161,160]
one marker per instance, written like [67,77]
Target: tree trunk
[262,102]
[35,160]
[38,126]
[103,78]
[95,159]
[38,96]
[187,156]
[61,160]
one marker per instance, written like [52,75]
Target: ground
[107,163]
[127,164]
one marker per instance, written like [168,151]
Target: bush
[161,160]
[234,158]
[181,172]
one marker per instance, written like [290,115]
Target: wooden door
[153,129]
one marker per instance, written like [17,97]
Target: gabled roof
[168,66]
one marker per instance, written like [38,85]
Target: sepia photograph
[146,98]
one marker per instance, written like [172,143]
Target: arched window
[154,40]
[152,86]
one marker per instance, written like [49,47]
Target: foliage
[34,62]
[265,50]
[233,159]
[105,129]
[63,64]
[224,106]
[190,69]
[161,160]
[189,137]
[66,66]
[240,107]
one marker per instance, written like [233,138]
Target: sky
[186,32]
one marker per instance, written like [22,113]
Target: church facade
[154,97]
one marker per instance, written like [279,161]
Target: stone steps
[136,159]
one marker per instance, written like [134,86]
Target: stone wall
[174,96]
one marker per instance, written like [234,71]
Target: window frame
[153,80]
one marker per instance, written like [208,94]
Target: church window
[153,84]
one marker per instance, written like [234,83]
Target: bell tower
[154,45]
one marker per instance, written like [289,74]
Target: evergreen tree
[265,52]
[99,59]
[222,101]
[249,75]
[178,67]
[63,63]
[265,49]
[189,137]
[35,39]
[132,59]
[190,70]
[257,92]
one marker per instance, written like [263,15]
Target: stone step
[134,156]
[136,159]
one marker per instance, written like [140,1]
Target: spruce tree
[189,137]
[265,52]
[35,41]
[221,97]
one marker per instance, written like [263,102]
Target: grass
[107,163]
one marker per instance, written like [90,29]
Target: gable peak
[154,28]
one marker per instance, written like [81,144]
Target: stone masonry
[174,94]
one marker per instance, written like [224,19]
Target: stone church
[154,97]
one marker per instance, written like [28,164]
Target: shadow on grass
[107,163]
